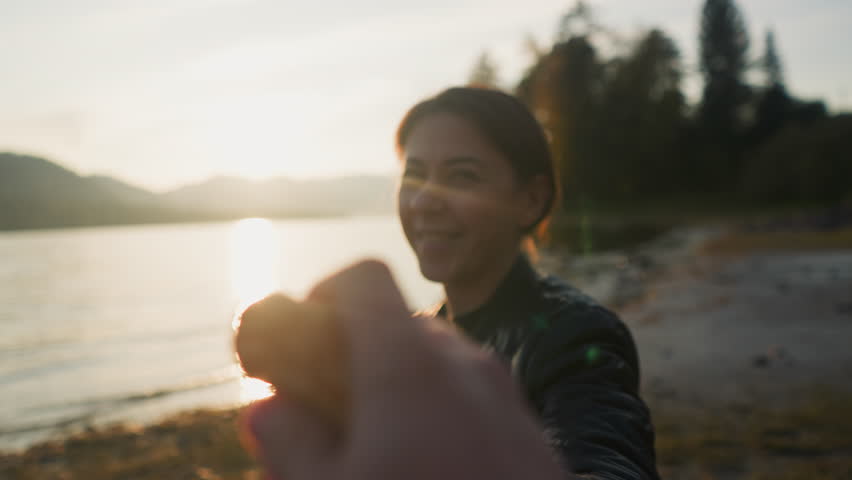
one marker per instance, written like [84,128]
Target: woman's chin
[434,271]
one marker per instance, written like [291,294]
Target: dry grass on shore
[201,444]
[745,242]
[810,440]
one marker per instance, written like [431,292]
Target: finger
[375,319]
[290,443]
[366,283]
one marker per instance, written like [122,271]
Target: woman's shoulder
[576,334]
[567,315]
[560,299]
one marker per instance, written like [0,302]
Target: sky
[161,93]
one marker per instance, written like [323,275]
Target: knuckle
[372,266]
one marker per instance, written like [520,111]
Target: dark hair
[506,122]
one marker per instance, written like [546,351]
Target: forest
[625,136]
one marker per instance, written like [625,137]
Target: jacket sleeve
[582,375]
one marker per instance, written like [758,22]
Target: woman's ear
[535,195]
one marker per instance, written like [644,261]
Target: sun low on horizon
[161,94]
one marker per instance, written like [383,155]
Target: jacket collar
[516,291]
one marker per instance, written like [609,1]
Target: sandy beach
[745,358]
[756,328]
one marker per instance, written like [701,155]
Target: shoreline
[620,277]
[787,411]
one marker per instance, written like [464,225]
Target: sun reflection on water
[255,247]
[252,389]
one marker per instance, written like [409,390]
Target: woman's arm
[582,375]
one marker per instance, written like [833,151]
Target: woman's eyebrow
[463,160]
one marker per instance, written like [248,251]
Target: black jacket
[578,365]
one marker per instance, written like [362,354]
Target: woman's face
[460,205]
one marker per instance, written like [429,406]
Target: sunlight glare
[252,389]
[254,258]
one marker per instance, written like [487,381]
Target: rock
[760,361]
[843,308]
[776,354]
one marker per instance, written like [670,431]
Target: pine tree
[775,107]
[562,89]
[642,112]
[577,22]
[484,73]
[724,105]
[771,62]
[724,41]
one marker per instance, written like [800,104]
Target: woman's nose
[428,196]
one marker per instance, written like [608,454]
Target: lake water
[134,322]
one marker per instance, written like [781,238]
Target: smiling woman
[478,182]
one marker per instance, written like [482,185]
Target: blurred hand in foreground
[426,403]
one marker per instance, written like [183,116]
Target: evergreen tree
[484,73]
[775,106]
[577,22]
[563,91]
[771,62]
[641,116]
[724,46]
[724,105]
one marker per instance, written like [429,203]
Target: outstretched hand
[425,402]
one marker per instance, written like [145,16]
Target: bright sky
[164,92]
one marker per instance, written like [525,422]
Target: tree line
[622,130]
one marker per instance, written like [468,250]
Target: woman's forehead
[447,139]
[448,162]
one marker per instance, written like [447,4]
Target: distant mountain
[282,196]
[36,193]
[128,194]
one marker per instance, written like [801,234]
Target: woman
[478,181]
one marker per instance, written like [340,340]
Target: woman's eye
[412,174]
[464,176]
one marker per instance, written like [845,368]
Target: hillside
[283,197]
[37,193]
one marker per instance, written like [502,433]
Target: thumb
[289,441]
[376,321]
